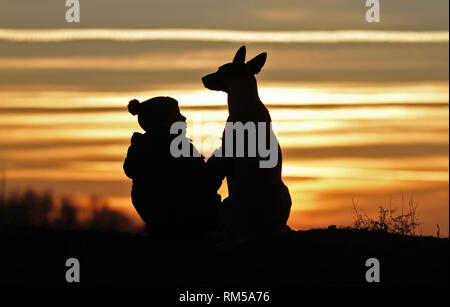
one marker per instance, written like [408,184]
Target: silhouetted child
[172,195]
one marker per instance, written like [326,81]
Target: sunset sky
[361,109]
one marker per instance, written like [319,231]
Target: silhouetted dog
[172,195]
[258,199]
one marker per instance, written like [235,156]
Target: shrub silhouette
[404,223]
[33,209]
[104,218]
[68,215]
[28,208]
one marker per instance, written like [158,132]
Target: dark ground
[36,258]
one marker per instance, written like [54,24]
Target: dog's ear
[257,63]
[239,58]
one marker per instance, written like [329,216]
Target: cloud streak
[206,35]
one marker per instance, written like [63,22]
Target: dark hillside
[36,257]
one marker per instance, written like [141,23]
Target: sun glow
[357,113]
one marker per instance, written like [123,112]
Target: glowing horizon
[287,93]
[207,35]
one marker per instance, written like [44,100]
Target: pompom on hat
[134,107]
